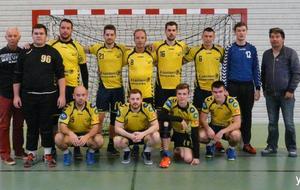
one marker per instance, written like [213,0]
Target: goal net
[89,24]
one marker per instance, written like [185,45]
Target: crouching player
[181,116]
[78,127]
[225,121]
[136,123]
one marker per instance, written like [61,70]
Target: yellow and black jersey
[169,63]
[221,115]
[189,114]
[207,64]
[72,54]
[140,71]
[110,62]
[79,121]
[136,121]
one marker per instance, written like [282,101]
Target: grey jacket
[280,74]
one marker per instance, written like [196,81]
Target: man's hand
[74,138]
[256,95]
[138,136]
[83,140]
[61,101]
[288,95]
[184,125]
[17,102]
[219,136]
[210,133]
[195,161]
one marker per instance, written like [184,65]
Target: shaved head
[80,89]
[12,37]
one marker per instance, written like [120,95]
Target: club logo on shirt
[235,104]
[131,61]
[63,116]
[162,53]
[248,54]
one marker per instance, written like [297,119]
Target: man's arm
[84,75]
[119,129]
[236,124]
[61,102]
[63,128]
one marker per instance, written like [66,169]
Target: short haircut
[208,29]
[139,30]
[171,23]
[109,27]
[240,24]
[39,26]
[277,31]
[218,84]
[66,20]
[182,86]
[135,91]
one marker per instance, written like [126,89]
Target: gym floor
[247,172]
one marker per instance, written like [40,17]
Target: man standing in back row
[241,75]
[280,73]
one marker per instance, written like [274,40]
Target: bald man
[8,58]
[79,126]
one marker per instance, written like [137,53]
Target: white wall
[262,15]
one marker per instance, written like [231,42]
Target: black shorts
[216,129]
[108,99]
[199,97]
[182,140]
[161,96]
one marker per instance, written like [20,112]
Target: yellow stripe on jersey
[221,115]
[110,62]
[72,54]
[207,64]
[140,71]
[169,63]
[79,121]
[189,114]
[136,121]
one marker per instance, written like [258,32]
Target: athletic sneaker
[68,159]
[248,148]
[90,158]
[219,147]
[231,155]
[292,153]
[30,160]
[268,151]
[165,162]
[126,157]
[77,153]
[147,158]
[49,160]
[210,151]
[21,156]
[9,161]
[111,150]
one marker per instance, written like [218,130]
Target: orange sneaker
[49,160]
[250,149]
[219,147]
[165,162]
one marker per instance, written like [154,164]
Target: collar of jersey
[68,42]
[176,43]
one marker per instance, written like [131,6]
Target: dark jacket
[280,74]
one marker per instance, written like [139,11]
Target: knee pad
[165,131]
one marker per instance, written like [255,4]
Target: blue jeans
[274,104]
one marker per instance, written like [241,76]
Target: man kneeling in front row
[78,127]
[136,123]
[225,121]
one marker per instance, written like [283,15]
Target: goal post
[89,24]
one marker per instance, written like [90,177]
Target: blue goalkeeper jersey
[241,64]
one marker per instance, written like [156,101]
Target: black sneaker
[126,157]
[268,151]
[111,150]
[77,153]
[147,158]
[292,153]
